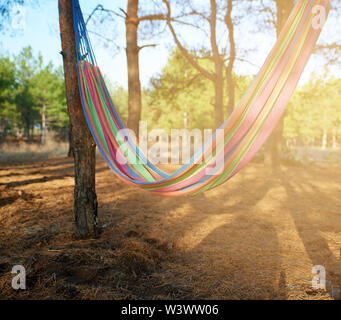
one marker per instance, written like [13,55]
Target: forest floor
[256,237]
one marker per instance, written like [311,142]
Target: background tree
[32,97]
[27,68]
[49,93]
[217,76]
[273,146]
[314,115]
[232,58]
[181,97]
[8,85]
[134,20]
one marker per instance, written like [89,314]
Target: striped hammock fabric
[243,133]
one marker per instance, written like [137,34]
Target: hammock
[243,133]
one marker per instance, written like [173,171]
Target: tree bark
[43,125]
[85,199]
[324,139]
[70,153]
[219,97]
[132,51]
[3,129]
[28,125]
[219,68]
[334,139]
[229,68]
[273,148]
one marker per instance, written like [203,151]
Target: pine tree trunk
[334,143]
[219,98]
[324,139]
[232,58]
[132,51]
[3,129]
[43,125]
[273,147]
[219,68]
[85,200]
[27,130]
[70,151]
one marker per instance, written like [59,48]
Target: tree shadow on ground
[308,206]
[240,258]
[222,244]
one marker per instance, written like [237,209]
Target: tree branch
[151,17]
[99,7]
[125,14]
[146,46]
[331,46]
[101,36]
[213,25]
[182,49]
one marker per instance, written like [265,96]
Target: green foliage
[119,97]
[26,68]
[29,93]
[49,92]
[7,88]
[181,97]
[314,110]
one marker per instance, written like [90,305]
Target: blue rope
[83,46]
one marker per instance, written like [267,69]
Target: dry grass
[23,152]
[256,237]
